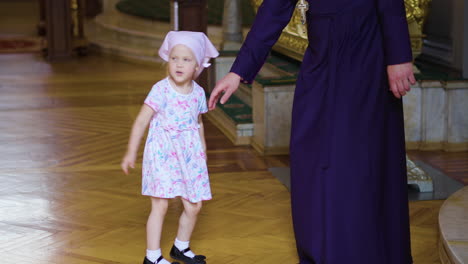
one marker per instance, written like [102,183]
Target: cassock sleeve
[397,45]
[272,16]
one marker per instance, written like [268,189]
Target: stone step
[132,37]
[237,133]
[274,83]
[128,53]
[129,31]
[226,117]
[117,35]
[223,65]
[234,119]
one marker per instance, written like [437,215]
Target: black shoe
[147,261]
[179,255]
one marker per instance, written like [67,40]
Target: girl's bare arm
[138,130]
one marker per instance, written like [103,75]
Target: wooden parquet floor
[63,130]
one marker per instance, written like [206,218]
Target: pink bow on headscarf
[198,42]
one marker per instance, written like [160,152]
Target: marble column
[232,25]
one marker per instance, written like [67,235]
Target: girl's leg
[154,230]
[181,249]
[155,222]
[188,219]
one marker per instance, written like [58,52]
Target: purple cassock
[347,151]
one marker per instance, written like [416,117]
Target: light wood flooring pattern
[452,164]
[63,199]
[64,128]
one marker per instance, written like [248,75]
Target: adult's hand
[225,87]
[400,76]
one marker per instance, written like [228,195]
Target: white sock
[182,245]
[153,255]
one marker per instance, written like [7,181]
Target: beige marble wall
[412,109]
[223,66]
[457,116]
[436,116]
[272,107]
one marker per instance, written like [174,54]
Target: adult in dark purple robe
[347,150]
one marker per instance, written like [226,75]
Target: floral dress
[174,161]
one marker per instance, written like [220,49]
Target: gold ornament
[293,42]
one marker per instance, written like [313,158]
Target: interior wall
[446,32]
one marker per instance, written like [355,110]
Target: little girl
[174,161]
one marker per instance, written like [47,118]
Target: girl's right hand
[128,161]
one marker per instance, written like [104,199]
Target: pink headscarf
[198,42]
